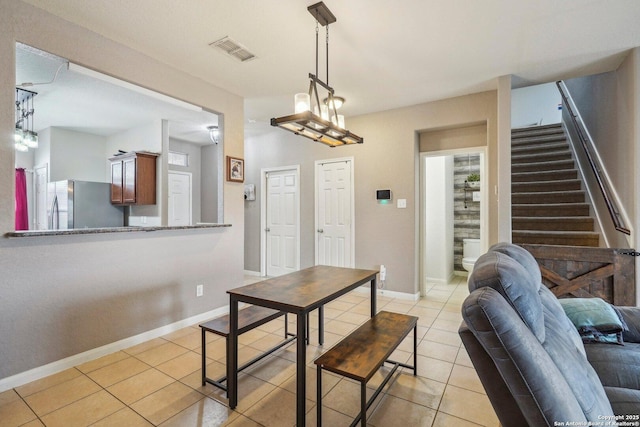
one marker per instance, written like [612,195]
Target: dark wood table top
[304,290]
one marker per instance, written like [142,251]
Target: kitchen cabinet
[133,179]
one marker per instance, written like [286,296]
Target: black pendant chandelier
[313,119]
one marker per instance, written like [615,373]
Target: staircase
[549,205]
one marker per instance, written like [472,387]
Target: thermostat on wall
[383,195]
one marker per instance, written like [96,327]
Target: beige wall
[387,159]
[60,296]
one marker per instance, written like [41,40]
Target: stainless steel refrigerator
[81,204]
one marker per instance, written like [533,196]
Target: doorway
[335,210]
[280,220]
[450,211]
[179,202]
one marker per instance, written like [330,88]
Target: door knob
[267,230]
[320,230]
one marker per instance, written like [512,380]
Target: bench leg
[319,397]
[286,326]
[363,404]
[415,350]
[204,358]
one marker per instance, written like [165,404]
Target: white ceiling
[383,54]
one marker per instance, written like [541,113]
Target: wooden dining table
[299,293]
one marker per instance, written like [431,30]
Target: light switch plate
[402,203]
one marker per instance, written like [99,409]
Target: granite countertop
[83,231]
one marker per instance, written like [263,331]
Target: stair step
[546,197]
[544,176]
[548,166]
[574,238]
[523,141]
[550,210]
[546,186]
[537,130]
[579,223]
[547,156]
[536,148]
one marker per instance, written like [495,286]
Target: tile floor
[158,382]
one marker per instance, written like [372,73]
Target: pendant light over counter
[313,119]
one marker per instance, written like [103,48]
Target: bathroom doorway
[453,208]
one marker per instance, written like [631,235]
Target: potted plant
[473,180]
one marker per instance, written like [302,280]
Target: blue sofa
[531,359]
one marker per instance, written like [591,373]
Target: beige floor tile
[84,411]
[446,420]
[396,307]
[436,350]
[205,412]
[464,377]
[463,358]
[34,423]
[123,417]
[398,412]
[329,418]
[341,305]
[242,421]
[344,397]
[116,372]
[251,336]
[182,365]
[339,328]
[167,402]
[273,369]
[52,398]
[50,381]
[273,326]
[13,410]
[446,325]
[363,308]
[354,318]
[468,405]
[269,341]
[161,353]
[417,389]
[102,362]
[434,369]
[141,385]
[250,391]
[278,408]
[192,340]
[443,337]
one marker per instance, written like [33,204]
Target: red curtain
[22,214]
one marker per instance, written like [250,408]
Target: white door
[335,213]
[282,222]
[179,198]
[41,197]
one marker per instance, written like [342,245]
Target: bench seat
[364,351]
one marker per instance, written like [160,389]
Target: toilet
[470,253]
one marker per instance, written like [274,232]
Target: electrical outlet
[199,290]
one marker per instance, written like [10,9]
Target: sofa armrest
[631,316]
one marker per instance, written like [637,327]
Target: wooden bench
[248,318]
[363,352]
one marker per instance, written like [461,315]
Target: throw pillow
[595,319]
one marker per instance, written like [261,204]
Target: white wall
[438,253]
[535,105]
[67,146]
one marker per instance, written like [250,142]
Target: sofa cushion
[616,366]
[625,403]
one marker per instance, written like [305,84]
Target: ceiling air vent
[233,48]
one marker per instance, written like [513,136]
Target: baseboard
[252,273]
[78,359]
[391,294]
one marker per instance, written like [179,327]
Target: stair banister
[596,167]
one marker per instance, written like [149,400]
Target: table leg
[301,370]
[232,354]
[374,286]
[321,324]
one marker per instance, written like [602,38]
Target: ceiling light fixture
[24,135]
[214,134]
[322,123]
[338,100]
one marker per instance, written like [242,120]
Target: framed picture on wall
[235,169]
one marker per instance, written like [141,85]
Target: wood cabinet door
[129,180]
[116,183]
